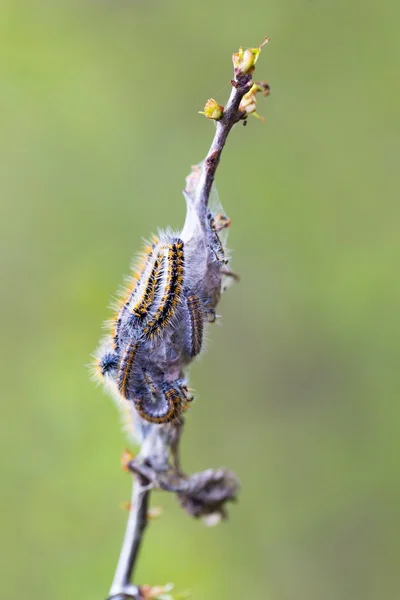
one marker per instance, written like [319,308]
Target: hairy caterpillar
[160,321]
[195,325]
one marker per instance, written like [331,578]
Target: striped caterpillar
[160,319]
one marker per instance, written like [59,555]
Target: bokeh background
[299,387]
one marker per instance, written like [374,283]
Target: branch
[137,522]
[231,115]
[121,587]
[157,466]
[226,117]
[203,494]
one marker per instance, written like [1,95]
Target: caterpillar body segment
[134,285]
[172,291]
[161,316]
[126,368]
[117,329]
[195,326]
[143,300]
[186,393]
[105,364]
[209,311]
[150,384]
[215,243]
[161,405]
[142,260]
[210,315]
[108,363]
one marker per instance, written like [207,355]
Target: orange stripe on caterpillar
[195,330]
[172,291]
[144,258]
[132,287]
[142,263]
[125,368]
[144,305]
[166,407]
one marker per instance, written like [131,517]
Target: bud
[244,61]
[126,458]
[155,512]
[248,103]
[247,59]
[212,110]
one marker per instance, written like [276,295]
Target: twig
[137,522]
[231,115]
[155,448]
[201,495]
[157,466]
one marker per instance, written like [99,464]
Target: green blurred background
[299,387]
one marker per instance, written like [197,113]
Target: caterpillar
[215,242]
[161,406]
[125,368]
[160,319]
[142,306]
[108,363]
[172,291]
[195,326]
[132,289]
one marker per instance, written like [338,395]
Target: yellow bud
[248,61]
[155,512]
[248,103]
[237,58]
[126,458]
[212,110]
[245,60]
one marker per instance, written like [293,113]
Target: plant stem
[137,521]
[231,116]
